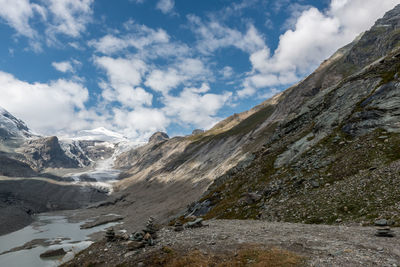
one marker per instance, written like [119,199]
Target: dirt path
[322,245]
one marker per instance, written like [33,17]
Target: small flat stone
[130,253]
[381,222]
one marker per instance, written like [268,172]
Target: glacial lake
[56,230]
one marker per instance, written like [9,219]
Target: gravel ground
[321,245]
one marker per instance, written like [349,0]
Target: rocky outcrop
[46,152]
[158,137]
[197,131]
[14,168]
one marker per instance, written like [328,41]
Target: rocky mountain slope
[292,157]
[334,154]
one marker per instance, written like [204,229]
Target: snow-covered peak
[11,127]
[99,134]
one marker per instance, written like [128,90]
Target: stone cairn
[178,226]
[110,235]
[147,235]
[383,229]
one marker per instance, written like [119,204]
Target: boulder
[53,253]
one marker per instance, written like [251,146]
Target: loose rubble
[320,245]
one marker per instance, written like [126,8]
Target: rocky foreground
[248,243]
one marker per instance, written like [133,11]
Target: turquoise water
[49,227]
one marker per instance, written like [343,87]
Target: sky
[140,66]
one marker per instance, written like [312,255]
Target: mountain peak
[11,127]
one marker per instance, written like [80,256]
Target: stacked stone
[178,226]
[150,228]
[137,236]
[110,235]
[383,229]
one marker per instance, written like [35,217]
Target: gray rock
[381,222]
[53,253]
[197,131]
[137,236]
[158,137]
[314,184]
[195,224]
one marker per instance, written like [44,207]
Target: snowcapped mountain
[101,139]
[11,127]
[99,134]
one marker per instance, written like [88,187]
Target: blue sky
[139,66]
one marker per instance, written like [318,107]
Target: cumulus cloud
[124,78]
[139,37]
[166,6]
[17,14]
[66,66]
[140,123]
[314,36]
[213,35]
[186,70]
[47,107]
[195,107]
[69,17]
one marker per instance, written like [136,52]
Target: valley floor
[241,242]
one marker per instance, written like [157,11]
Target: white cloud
[139,37]
[195,107]
[69,17]
[227,72]
[213,35]
[314,37]
[164,80]
[121,71]
[186,70]
[46,107]
[124,76]
[140,123]
[17,14]
[66,66]
[63,66]
[166,6]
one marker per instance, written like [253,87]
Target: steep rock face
[334,152]
[14,168]
[46,152]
